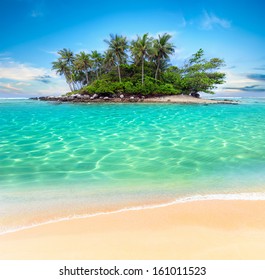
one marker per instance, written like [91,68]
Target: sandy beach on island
[186,99]
[178,99]
[214,229]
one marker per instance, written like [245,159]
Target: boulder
[195,94]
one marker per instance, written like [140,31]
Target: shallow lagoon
[62,160]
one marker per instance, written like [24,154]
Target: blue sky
[32,31]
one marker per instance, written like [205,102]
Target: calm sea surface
[63,160]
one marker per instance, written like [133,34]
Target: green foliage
[199,76]
[151,87]
[161,51]
[117,50]
[148,73]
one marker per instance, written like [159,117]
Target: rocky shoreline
[78,98]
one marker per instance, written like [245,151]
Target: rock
[94,96]
[106,98]
[77,96]
[132,98]
[195,94]
[121,96]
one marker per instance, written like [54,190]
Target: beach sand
[194,230]
[186,99]
[179,99]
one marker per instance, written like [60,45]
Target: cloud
[36,14]
[253,88]
[4,57]
[210,21]
[46,79]
[8,87]
[173,34]
[262,68]
[22,84]
[258,77]
[24,80]
[240,82]
[51,52]
[21,72]
[231,67]
[37,8]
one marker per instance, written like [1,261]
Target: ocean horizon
[64,161]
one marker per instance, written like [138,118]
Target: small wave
[209,197]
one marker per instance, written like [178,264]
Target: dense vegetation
[141,66]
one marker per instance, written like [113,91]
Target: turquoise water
[60,160]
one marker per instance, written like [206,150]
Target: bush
[149,87]
[167,89]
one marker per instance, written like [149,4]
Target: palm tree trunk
[142,71]
[68,82]
[86,77]
[156,74]
[74,86]
[119,72]
[70,86]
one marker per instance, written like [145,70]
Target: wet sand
[194,230]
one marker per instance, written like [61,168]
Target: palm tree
[62,68]
[64,65]
[67,56]
[78,78]
[162,48]
[117,47]
[108,61]
[97,59]
[83,62]
[141,49]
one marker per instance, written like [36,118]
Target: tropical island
[137,71]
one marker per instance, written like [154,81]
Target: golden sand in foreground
[194,230]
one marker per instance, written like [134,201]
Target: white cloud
[238,82]
[21,72]
[22,84]
[36,13]
[182,22]
[172,33]
[8,87]
[179,56]
[26,80]
[51,52]
[54,90]
[210,20]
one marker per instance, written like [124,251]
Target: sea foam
[209,197]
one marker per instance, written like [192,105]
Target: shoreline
[178,99]
[254,196]
[202,229]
